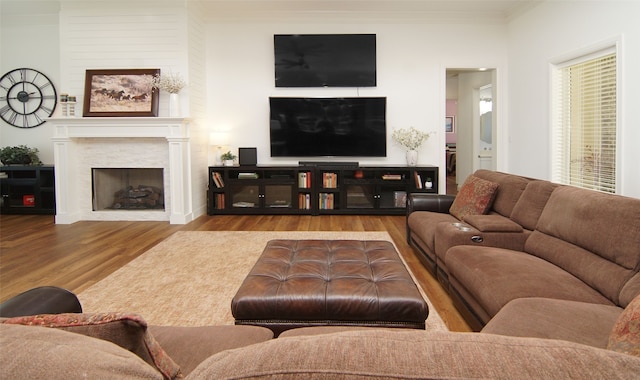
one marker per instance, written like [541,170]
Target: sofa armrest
[493,223]
[439,203]
[41,300]
[429,202]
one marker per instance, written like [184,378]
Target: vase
[412,157]
[174,105]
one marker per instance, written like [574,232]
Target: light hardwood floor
[34,251]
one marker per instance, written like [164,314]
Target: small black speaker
[247,156]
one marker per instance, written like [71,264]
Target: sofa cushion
[494,276]
[128,331]
[548,318]
[625,336]
[509,190]
[189,346]
[630,290]
[474,198]
[31,352]
[450,235]
[529,207]
[385,354]
[592,235]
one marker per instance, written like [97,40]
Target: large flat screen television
[325,60]
[328,127]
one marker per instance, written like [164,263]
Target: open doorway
[469,126]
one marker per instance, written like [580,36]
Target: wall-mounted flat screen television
[328,127]
[325,60]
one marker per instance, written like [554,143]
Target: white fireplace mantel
[124,127]
[73,199]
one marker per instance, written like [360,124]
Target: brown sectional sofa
[512,216]
[568,272]
[247,352]
[123,346]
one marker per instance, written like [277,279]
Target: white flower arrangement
[410,138]
[171,83]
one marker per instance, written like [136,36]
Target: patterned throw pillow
[625,336]
[128,331]
[474,198]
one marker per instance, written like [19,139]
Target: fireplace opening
[128,189]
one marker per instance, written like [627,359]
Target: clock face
[27,98]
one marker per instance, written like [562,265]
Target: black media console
[316,188]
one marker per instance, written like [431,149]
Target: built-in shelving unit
[316,190]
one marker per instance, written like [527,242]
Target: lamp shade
[219,138]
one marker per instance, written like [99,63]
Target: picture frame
[449,125]
[120,93]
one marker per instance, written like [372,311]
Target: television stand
[321,188]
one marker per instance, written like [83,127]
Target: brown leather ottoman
[300,283]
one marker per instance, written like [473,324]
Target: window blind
[584,118]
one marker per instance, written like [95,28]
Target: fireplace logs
[140,197]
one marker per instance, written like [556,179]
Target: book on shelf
[248,175]
[326,201]
[418,179]
[304,201]
[392,177]
[304,180]
[219,201]
[329,180]
[217,179]
[400,199]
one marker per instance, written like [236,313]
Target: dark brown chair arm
[429,202]
[41,300]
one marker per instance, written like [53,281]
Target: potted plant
[19,155]
[411,139]
[227,158]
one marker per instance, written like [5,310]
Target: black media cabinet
[316,189]
[28,190]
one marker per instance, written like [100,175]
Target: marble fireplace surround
[81,144]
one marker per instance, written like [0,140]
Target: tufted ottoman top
[329,282]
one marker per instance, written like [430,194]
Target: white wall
[30,40]
[557,29]
[232,60]
[239,66]
[411,63]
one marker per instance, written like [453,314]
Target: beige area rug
[190,278]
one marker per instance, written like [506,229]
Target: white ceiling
[501,7]
[495,10]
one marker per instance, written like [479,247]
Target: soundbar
[335,164]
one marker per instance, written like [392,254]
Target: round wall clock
[27,98]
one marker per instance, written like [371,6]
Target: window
[584,121]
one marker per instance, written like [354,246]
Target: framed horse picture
[120,93]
